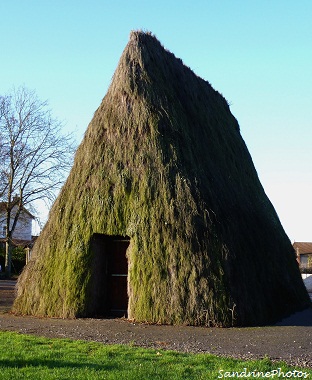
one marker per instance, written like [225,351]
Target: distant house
[304,254]
[22,234]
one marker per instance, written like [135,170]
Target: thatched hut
[162,216]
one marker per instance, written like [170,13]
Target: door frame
[100,281]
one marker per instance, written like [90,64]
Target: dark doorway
[109,296]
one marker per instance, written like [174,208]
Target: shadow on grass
[52,364]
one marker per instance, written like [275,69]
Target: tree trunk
[8,258]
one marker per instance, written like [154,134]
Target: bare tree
[34,156]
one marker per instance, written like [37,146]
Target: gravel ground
[290,340]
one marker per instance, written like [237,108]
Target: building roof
[302,247]
[3,206]
[159,163]
[20,242]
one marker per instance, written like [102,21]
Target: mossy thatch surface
[163,162]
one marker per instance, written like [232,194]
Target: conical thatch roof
[163,164]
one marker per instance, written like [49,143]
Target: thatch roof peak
[140,35]
[149,73]
[141,53]
[146,49]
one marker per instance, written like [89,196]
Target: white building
[23,229]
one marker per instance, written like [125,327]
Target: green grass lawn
[29,357]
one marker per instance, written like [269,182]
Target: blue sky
[257,53]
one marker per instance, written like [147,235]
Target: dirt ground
[290,340]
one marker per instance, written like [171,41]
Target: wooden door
[117,276]
[109,280]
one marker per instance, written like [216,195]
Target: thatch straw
[163,162]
